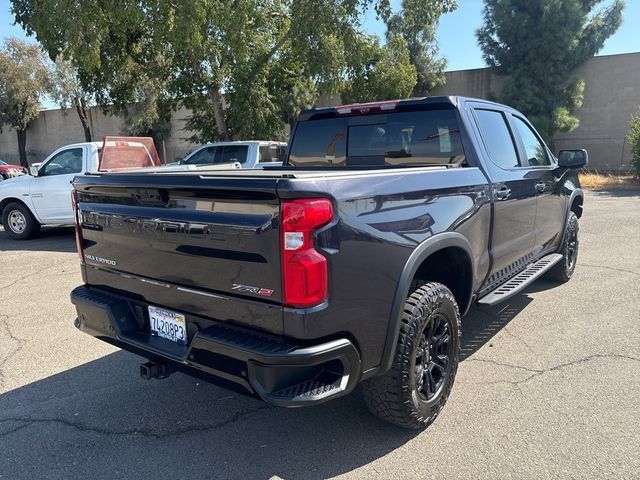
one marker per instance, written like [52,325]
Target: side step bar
[521,280]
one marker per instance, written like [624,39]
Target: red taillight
[76,217]
[304,269]
[363,108]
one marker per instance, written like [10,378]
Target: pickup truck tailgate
[171,237]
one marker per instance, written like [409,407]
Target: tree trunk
[22,147]
[215,97]
[81,108]
[218,114]
[87,132]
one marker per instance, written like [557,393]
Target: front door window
[64,163]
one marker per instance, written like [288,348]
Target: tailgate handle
[150,195]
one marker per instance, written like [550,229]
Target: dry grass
[597,180]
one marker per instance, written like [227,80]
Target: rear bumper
[279,371]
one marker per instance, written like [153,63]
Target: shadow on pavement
[182,427]
[481,324]
[50,239]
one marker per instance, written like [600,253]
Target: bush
[633,137]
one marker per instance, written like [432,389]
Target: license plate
[168,324]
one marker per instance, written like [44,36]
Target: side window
[497,139]
[533,147]
[202,157]
[265,155]
[64,163]
[232,153]
[272,153]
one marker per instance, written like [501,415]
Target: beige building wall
[611,95]
[56,128]
[476,83]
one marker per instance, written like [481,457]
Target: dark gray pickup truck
[351,264]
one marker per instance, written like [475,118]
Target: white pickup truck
[250,154]
[44,196]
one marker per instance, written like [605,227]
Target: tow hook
[155,370]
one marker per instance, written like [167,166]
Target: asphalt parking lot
[549,387]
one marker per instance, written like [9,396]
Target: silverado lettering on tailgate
[162,229]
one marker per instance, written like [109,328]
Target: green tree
[67,92]
[24,80]
[417,23]
[633,137]
[537,45]
[217,57]
[382,72]
[149,115]
[293,88]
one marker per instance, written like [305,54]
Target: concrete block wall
[56,128]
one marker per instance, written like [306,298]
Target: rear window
[271,153]
[121,153]
[428,137]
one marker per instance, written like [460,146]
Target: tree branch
[263,61]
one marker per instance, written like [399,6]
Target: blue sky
[455,34]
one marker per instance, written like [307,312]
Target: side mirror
[33,171]
[573,158]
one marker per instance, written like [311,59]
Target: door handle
[502,193]
[540,187]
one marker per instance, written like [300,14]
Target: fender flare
[575,194]
[422,251]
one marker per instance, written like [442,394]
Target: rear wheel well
[576,206]
[7,201]
[451,267]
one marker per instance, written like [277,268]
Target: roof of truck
[390,105]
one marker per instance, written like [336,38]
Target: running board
[521,280]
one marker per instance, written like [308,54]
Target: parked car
[9,171]
[352,263]
[249,154]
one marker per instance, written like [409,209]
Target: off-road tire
[563,270]
[396,396]
[30,227]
